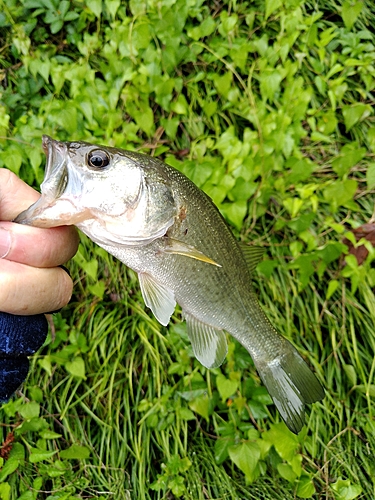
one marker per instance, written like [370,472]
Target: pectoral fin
[181,248]
[209,344]
[158,297]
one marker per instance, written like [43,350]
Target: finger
[15,195]
[30,290]
[37,247]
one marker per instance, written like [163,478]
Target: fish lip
[52,187]
[56,153]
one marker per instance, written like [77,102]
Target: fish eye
[98,159]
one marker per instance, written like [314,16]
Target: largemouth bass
[157,222]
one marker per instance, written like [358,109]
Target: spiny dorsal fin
[253,255]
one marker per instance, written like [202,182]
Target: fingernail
[5,242]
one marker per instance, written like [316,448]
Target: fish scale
[157,222]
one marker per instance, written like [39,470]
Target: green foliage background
[267,106]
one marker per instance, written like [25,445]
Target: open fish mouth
[53,208]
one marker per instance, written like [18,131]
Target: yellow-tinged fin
[159,298]
[253,255]
[209,344]
[181,248]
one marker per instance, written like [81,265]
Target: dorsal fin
[252,254]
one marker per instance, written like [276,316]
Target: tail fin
[291,385]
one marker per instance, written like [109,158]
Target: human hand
[31,281]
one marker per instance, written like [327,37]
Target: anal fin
[209,344]
[159,298]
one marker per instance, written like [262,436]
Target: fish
[160,224]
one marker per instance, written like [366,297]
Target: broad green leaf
[350,11]
[267,267]
[76,367]
[221,449]
[235,212]
[345,490]
[246,456]
[226,387]
[286,471]
[347,159]
[340,192]
[177,485]
[206,28]
[186,414]
[5,491]
[271,6]
[97,288]
[75,452]
[332,287]
[355,113]
[95,6]
[112,6]
[285,443]
[270,80]
[201,405]
[305,488]
[10,466]
[30,410]
[38,455]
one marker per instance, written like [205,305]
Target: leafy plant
[267,106]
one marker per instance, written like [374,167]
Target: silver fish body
[157,222]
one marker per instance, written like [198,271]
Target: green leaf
[112,6]
[75,452]
[355,113]
[286,472]
[206,28]
[246,456]
[226,387]
[177,485]
[47,434]
[186,414]
[38,455]
[340,192]
[235,212]
[270,80]
[350,12]
[332,287]
[95,6]
[97,289]
[29,410]
[271,6]
[370,175]
[347,159]
[351,373]
[76,367]
[345,490]
[201,405]
[221,449]
[5,491]
[305,488]
[286,444]
[10,466]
